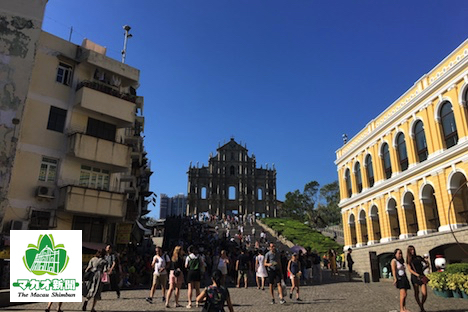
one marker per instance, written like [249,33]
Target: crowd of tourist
[209,257]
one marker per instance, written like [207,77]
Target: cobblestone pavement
[338,296]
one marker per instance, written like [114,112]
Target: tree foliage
[317,205]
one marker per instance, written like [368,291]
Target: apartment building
[403,177]
[80,162]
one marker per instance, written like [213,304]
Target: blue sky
[287,78]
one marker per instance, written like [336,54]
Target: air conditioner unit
[16,225]
[45,192]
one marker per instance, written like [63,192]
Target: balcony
[106,100]
[79,199]
[101,61]
[103,151]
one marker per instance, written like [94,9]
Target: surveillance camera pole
[126,36]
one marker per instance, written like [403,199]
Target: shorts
[193,276]
[176,280]
[415,280]
[160,279]
[242,273]
[274,277]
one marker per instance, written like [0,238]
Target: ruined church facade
[232,184]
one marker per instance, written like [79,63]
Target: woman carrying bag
[93,287]
[418,279]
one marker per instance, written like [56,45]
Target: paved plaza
[333,296]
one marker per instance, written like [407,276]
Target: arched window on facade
[387,164]
[431,212]
[370,171]
[349,190]
[352,228]
[420,140]
[203,192]
[363,225]
[232,193]
[358,177]
[393,218]
[409,209]
[374,216]
[449,126]
[402,154]
[259,194]
[459,205]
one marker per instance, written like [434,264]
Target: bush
[457,268]
[302,235]
[438,280]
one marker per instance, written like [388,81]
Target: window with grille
[370,171]
[387,164]
[402,153]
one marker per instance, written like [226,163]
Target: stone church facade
[232,184]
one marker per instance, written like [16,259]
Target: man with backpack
[242,268]
[193,264]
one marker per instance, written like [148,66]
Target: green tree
[330,211]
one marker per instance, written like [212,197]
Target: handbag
[105,278]
[177,272]
[424,279]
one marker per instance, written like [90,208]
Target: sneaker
[149,300]
[164,299]
[272,301]
[282,301]
[298,299]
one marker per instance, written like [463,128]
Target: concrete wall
[20,28]
[423,244]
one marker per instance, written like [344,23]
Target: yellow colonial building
[403,177]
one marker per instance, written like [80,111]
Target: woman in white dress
[260,270]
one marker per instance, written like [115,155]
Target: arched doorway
[363,226]
[352,228]
[385,268]
[459,191]
[431,212]
[393,219]
[374,217]
[410,214]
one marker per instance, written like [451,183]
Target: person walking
[93,287]
[242,268]
[273,264]
[416,266]
[332,259]
[176,275]
[223,265]
[400,280]
[294,270]
[215,295]
[113,269]
[159,264]
[260,270]
[49,306]
[349,260]
[193,263]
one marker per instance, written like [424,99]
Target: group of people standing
[417,266]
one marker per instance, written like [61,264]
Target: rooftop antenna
[126,36]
